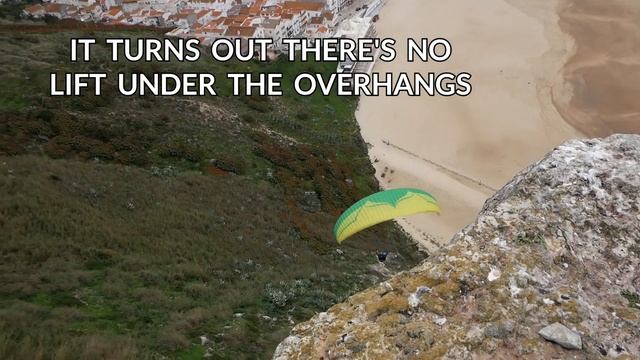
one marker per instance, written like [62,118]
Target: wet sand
[463,149]
[604,73]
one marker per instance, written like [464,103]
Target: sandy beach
[533,78]
[604,72]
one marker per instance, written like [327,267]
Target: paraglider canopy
[381,207]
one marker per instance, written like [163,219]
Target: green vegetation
[132,226]
[11,10]
[633,298]
[530,238]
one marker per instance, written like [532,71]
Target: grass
[131,227]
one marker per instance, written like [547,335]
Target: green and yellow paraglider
[381,207]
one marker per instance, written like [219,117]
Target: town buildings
[207,19]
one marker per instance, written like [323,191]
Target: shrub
[171,340]
[283,293]
[258,103]
[303,115]
[181,150]
[231,164]
[248,118]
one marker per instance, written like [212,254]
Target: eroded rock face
[559,244]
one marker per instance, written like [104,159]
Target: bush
[231,164]
[171,340]
[260,104]
[283,293]
[181,150]
[248,118]
[303,115]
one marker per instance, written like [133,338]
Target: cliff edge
[550,269]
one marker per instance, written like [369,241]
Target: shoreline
[603,73]
[470,146]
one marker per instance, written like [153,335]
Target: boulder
[562,336]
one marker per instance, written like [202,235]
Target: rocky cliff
[550,269]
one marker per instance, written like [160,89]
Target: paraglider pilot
[382,256]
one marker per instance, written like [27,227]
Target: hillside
[549,270]
[149,227]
